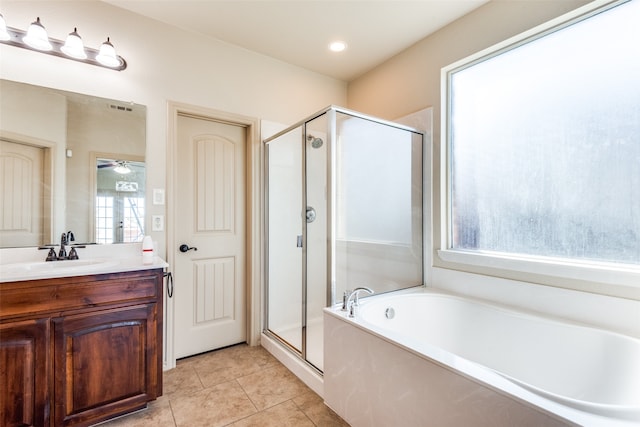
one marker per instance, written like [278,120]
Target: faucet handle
[353,309]
[51,256]
[73,254]
[345,297]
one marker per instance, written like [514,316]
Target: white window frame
[620,280]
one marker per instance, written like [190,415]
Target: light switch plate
[157,223]
[158,196]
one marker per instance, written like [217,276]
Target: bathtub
[427,358]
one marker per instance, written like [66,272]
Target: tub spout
[353,301]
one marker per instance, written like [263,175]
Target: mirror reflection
[58,152]
[119,203]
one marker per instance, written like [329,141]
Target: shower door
[297,288]
[285,238]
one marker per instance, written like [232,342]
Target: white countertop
[21,264]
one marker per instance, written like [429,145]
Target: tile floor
[238,386]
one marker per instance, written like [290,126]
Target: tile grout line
[173,416]
[304,412]
[248,397]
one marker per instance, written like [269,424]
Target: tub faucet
[353,301]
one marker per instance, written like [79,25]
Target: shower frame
[331,232]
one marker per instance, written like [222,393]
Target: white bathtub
[444,360]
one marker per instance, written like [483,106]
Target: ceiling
[299,31]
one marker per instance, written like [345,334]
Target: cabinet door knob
[186,248]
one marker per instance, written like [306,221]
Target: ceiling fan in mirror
[119,166]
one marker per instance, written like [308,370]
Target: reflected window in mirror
[120,201]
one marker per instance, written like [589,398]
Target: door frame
[254,212]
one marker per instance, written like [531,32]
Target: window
[119,218]
[104,219]
[543,157]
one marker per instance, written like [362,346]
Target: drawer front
[56,295]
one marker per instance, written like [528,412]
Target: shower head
[315,142]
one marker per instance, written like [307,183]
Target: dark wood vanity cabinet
[24,372]
[79,350]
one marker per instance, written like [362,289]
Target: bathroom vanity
[80,349]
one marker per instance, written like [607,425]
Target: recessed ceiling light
[337,46]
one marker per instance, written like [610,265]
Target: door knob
[185,248]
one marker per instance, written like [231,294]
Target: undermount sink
[58,267]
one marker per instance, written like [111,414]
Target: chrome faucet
[65,240]
[353,301]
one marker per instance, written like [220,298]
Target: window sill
[607,275]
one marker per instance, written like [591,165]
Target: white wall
[164,64]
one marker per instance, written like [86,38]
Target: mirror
[53,152]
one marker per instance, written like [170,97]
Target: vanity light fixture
[35,38]
[4,34]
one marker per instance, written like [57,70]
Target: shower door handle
[299,241]
[311,214]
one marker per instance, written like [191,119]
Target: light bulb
[122,169]
[337,46]
[107,55]
[37,37]
[73,46]
[4,34]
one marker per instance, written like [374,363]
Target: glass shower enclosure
[344,197]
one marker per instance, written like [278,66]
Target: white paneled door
[21,175]
[210,257]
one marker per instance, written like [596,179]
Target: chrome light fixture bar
[36,39]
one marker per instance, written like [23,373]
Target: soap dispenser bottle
[147,250]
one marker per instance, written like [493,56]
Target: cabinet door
[24,373]
[105,363]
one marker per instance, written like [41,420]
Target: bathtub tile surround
[403,386]
[235,386]
[453,361]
